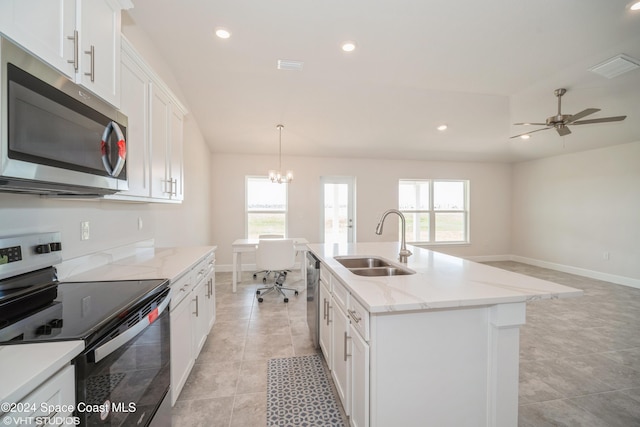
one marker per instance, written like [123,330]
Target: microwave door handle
[110,346]
[122,149]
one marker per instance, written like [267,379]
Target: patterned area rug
[299,394]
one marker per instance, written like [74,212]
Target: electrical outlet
[84,226]
[605,256]
[139,223]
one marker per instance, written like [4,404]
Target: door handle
[74,61]
[92,53]
[346,337]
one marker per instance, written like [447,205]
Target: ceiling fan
[560,121]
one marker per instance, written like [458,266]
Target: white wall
[376,191]
[569,210]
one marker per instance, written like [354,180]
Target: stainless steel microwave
[55,136]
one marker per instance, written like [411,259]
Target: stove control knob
[43,330]
[43,249]
[56,323]
[55,246]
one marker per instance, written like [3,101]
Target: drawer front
[180,289]
[324,274]
[340,293]
[359,317]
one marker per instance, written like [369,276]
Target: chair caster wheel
[296,292]
[257,292]
[286,300]
[255,276]
[260,299]
[264,280]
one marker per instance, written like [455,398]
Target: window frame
[432,212]
[247,211]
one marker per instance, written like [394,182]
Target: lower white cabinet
[359,380]
[57,393]
[192,316]
[325,323]
[341,370]
[344,332]
[182,359]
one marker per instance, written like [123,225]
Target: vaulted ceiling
[477,67]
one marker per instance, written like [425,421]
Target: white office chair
[278,256]
[267,273]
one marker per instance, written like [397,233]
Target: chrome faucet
[404,252]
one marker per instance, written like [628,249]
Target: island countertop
[440,281]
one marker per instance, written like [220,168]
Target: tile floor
[579,359]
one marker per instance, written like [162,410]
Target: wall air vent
[286,64]
[616,66]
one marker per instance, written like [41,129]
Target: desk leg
[234,276]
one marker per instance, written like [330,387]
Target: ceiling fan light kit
[560,121]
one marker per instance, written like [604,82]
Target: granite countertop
[147,263]
[441,281]
[25,366]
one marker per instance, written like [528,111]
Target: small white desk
[249,245]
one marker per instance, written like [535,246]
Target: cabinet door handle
[346,337]
[354,316]
[92,53]
[196,300]
[74,61]
[324,309]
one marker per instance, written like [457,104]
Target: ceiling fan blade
[531,124]
[527,133]
[602,120]
[562,130]
[581,114]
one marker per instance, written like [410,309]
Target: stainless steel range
[124,324]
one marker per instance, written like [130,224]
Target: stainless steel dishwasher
[313,303]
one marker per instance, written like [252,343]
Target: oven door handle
[109,347]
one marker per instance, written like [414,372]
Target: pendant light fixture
[276,176]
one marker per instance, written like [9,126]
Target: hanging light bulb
[277,176]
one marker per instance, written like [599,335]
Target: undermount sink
[365,262]
[372,266]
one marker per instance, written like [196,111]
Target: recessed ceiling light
[223,33]
[442,127]
[348,46]
[635,6]
[525,136]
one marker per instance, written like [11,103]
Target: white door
[338,213]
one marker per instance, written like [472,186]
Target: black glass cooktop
[75,311]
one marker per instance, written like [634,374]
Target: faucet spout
[404,252]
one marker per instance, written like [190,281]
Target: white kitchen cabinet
[192,316]
[58,392]
[44,27]
[98,23]
[324,337]
[200,321]
[80,38]
[340,348]
[135,105]
[182,359]
[359,380]
[155,141]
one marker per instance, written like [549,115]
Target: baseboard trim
[620,280]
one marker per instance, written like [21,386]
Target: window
[266,207]
[436,211]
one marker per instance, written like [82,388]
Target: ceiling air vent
[615,66]
[286,64]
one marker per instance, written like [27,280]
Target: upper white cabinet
[154,134]
[98,26]
[45,27]
[81,38]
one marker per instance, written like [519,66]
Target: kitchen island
[439,346]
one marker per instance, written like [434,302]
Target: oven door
[123,380]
